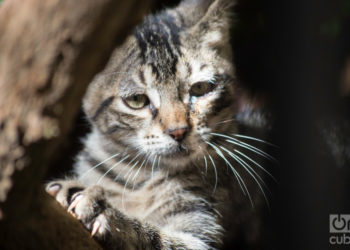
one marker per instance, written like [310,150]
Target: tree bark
[49,52]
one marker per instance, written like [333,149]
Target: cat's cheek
[202,105]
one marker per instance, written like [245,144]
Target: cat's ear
[193,10]
[208,21]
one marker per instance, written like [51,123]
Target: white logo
[339,227]
[339,223]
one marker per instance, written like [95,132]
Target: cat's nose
[177,134]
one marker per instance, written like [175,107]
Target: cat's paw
[88,205]
[63,190]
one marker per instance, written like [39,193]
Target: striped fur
[145,189]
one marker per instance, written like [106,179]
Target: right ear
[193,10]
[207,21]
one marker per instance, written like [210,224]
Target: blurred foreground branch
[49,52]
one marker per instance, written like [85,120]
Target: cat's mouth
[180,151]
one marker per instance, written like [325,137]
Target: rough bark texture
[49,51]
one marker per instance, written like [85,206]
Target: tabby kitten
[162,167]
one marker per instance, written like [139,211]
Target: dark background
[295,54]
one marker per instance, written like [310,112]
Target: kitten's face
[166,88]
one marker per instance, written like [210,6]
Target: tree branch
[49,52]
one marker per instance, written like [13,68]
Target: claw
[95,227]
[74,204]
[54,189]
[73,214]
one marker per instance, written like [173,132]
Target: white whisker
[111,168]
[138,170]
[246,145]
[97,165]
[255,139]
[159,162]
[237,158]
[238,177]
[152,171]
[125,167]
[257,164]
[216,173]
[250,171]
[253,149]
[230,120]
[167,175]
[127,181]
[247,167]
[206,164]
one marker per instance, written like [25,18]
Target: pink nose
[177,134]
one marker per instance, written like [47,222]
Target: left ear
[213,28]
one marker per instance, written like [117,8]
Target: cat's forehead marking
[193,70]
[184,68]
[200,73]
[141,77]
[149,77]
[159,43]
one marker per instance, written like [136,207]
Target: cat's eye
[137,101]
[201,88]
